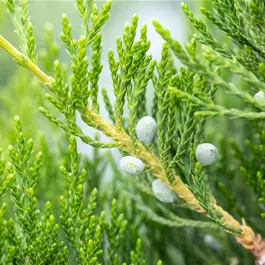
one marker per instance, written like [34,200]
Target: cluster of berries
[146,130]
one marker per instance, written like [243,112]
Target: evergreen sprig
[18,11]
[183,100]
[37,239]
[33,236]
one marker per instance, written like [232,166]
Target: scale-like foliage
[184,100]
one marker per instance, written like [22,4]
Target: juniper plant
[183,101]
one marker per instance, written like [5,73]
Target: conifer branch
[243,234]
[195,87]
[110,130]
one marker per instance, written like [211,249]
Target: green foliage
[95,214]
[31,237]
[52,48]
[37,238]
[18,11]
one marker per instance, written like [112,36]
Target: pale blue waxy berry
[206,154]
[162,192]
[146,130]
[212,242]
[132,165]
[260,96]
